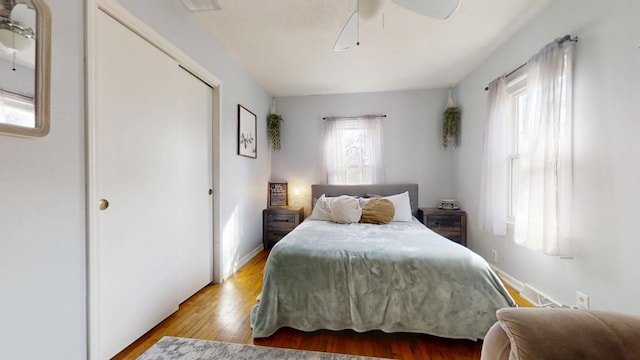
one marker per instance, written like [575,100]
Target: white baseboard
[508,279]
[528,292]
[538,298]
[243,261]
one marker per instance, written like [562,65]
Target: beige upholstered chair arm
[534,333]
[496,344]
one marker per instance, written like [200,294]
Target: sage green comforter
[400,277]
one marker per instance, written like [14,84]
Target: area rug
[174,348]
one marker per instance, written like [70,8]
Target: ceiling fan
[371,9]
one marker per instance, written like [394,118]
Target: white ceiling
[287,45]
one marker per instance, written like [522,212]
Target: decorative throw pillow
[402,206]
[377,211]
[345,210]
[322,209]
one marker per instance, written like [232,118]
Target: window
[519,121]
[518,97]
[16,110]
[527,158]
[353,151]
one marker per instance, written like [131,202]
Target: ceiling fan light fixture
[439,9]
[22,14]
[370,9]
[202,5]
[14,35]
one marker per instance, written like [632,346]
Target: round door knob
[104,204]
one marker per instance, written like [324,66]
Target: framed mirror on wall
[25,63]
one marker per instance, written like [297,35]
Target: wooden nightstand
[451,224]
[278,222]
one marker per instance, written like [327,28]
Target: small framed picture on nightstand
[278,194]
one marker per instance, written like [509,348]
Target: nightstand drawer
[279,218]
[280,226]
[443,222]
[451,224]
[273,237]
[451,235]
[278,222]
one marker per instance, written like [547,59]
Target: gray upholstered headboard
[362,190]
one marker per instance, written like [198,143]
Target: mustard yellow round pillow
[377,211]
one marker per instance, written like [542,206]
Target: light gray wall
[42,214]
[412,145]
[607,174]
[243,180]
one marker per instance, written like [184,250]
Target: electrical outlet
[494,256]
[582,300]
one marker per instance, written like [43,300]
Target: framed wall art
[247,133]
[278,194]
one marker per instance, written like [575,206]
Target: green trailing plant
[451,126]
[274,122]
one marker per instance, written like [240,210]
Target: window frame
[19,103]
[516,89]
[353,130]
[368,168]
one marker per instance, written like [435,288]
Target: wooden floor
[221,313]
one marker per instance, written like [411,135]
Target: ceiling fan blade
[439,9]
[349,34]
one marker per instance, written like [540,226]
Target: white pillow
[322,209]
[345,210]
[402,205]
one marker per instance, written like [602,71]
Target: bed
[399,277]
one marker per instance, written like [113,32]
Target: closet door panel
[152,166]
[194,208]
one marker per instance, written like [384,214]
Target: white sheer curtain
[545,170]
[495,166]
[353,151]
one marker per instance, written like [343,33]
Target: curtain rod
[559,41]
[354,117]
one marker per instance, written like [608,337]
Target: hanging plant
[450,123]
[451,126]
[274,121]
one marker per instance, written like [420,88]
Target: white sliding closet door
[154,242]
